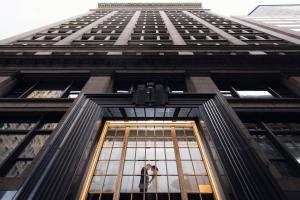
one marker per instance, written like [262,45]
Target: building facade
[279,18]
[150,101]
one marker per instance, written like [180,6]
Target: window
[250,89]
[172,149]
[45,89]
[22,136]
[278,136]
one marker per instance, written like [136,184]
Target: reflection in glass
[101,168]
[172,167]
[113,167]
[170,154]
[161,165]
[162,184]
[184,154]
[127,182]
[140,154]
[8,143]
[130,154]
[34,146]
[150,153]
[18,168]
[45,94]
[116,154]
[128,167]
[105,154]
[199,167]
[195,153]
[191,184]
[160,154]
[109,184]
[187,167]
[97,184]
[174,184]
[138,167]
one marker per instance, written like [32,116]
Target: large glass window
[136,160]
[22,136]
[278,137]
[45,89]
[253,89]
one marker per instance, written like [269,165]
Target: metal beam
[222,33]
[126,33]
[77,34]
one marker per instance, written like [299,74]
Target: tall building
[150,101]
[279,18]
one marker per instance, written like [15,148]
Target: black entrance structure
[60,84]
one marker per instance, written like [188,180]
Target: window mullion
[179,166]
[9,161]
[29,90]
[121,166]
[282,148]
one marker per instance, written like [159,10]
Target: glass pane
[184,154]
[18,168]
[113,167]
[109,184]
[199,167]
[138,167]
[159,142]
[127,182]
[162,184]
[140,154]
[45,94]
[158,132]
[172,167]
[170,154]
[34,146]
[195,153]
[182,142]
[131,142]
[192,142]
[116,154]
[118,142]
[161,165]
[152,187]
[130,154]
[101,168]
[254,93]
[8,143]
[140,142]
[150,153]
[105,154]
[160,154]
[150,142]
[191,184]
[136,183]
[168,142]
[174,184]
[203,180]
[187,167]
[128,167]
[108,142]
[96,184]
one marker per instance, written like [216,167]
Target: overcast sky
[17,16]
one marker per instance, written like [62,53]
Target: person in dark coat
[144,180]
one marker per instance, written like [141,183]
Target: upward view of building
[278,18]
[101,104]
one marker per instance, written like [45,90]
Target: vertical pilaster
[125,35]
[202,84]
[77,34]
[98,85]
[222,33]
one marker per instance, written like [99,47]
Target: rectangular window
[45,89]
[22,136]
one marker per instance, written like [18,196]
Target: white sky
[17,16]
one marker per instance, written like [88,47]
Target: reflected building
[90,106]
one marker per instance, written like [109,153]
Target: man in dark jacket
[144,181]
